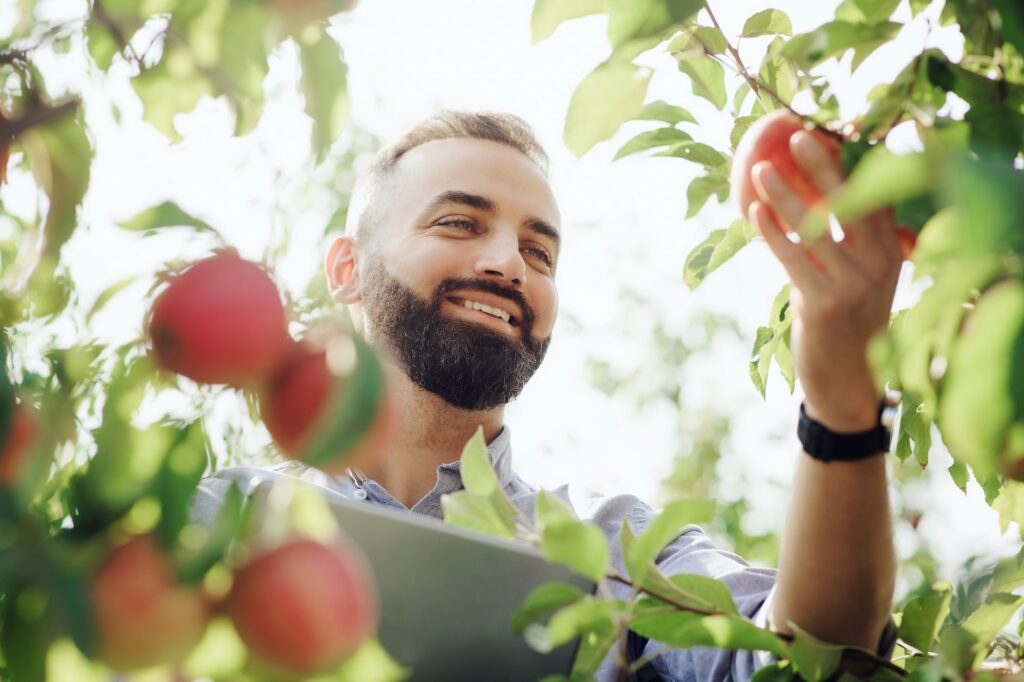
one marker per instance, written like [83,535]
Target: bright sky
[623,221]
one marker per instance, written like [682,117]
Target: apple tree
[940,144]
[103,568]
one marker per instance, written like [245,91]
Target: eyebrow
[482,203]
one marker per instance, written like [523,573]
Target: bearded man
[449,269]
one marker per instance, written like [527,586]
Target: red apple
[768,140]
[908,240]
[294,403]
[304,607]
[143,616]
[21,438]
[220,322]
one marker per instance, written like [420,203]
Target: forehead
[491,169]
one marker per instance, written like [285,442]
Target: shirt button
[360,494]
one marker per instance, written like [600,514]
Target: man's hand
[842,291]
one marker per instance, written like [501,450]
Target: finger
[799,264]
[791,211]
[819,164]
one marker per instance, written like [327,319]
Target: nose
[501,259]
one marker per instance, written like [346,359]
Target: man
[449,268]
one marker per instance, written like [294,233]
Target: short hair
[503,128]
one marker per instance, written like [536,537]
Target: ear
[342,271]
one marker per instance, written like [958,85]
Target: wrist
[848,418]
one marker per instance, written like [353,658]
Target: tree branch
[10,129]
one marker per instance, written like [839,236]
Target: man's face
[462,290]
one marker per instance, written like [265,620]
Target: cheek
[545,307]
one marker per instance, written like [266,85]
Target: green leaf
[241,44]
[660,110]
[882,179]
[677,518]
[697,152]
[581,546]
[866,11]
[739,128]
[547,15]
[543,600]
[179,474]
[982,397]
[165,94]
[610,95]
[1011,14]
[587,614]
[700,190]
[194,562]
[778,73]
[698,40]
[923,615]
[551,510]
[700,589]
[325,87]
[1008,574]
[772,341]
[478,513]
[651,139]
[475,466]
[707,78]
[686,630]
[107,294]
[355,399]
[167,214]
[782,671]
[914,428]
[834,38]
[993,616]
[720,246]
[812,658]
[767,22]
[631,19]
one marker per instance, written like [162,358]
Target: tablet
[448,594]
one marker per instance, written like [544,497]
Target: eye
[543,255]
[458,223]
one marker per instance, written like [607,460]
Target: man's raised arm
[837,564]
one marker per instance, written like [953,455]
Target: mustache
[489,287]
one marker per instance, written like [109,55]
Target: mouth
[494,316]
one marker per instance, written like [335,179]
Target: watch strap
[826,445]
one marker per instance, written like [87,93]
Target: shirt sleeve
[691,552]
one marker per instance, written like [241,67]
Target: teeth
[497,312]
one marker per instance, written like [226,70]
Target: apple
[221,321]
[21,438]
[304,607]
[908,240]
[143,616]
[768,140]
[294,403]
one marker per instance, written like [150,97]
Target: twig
[757,85]
[114,28]
[853,653]
[10,129]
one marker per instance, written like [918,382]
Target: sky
[624,225]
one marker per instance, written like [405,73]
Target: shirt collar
[449,478]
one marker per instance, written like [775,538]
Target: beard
[465,364]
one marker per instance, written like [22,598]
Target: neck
[430,433]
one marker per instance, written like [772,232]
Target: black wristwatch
[830,446]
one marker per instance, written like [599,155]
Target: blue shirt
[690,552]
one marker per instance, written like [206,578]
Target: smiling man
[449,269]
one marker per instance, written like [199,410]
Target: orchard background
[145,134]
